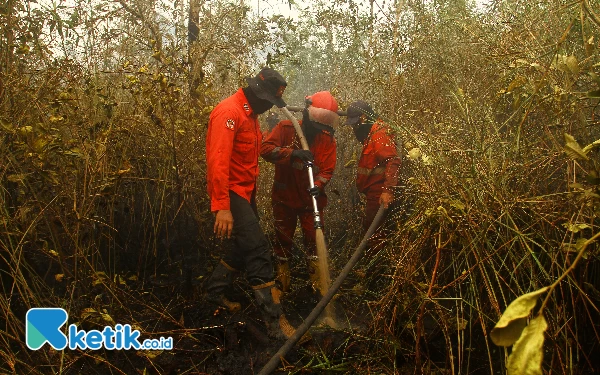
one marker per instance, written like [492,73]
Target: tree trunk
[7,66]
[193,20]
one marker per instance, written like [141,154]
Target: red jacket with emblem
[291,178]
[379,161]
[232,144]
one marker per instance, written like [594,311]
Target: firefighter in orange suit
[232,146]
[291,197]
[378,165]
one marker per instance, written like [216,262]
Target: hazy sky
[266,8]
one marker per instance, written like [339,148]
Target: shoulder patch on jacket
[230,124]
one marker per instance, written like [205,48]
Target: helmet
[357,109]
[322,108]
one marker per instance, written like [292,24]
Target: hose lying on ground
[301,330]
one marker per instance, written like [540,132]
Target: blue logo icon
[43,326]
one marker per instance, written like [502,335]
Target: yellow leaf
[516,83]
[25,129]
[55,119]
[513,321]
[457,204]
[53,253]
[39,144]
[569,247]
[575,228]
[23,49]
[528,352]
[89,313]
[16,177]
[108,319]
[560,62]
[414,153]
[458,323]
[7,126]
[573,149]
[59,277]
[150,354]
[572,64]
[119,280]
[99,278]
[132,278]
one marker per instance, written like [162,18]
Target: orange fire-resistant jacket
[232,145]
[379,161]
[291,178]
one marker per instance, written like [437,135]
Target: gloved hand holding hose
[314,191]
[304,155]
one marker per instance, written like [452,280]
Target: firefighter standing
[232,146]
[291,197]
[378,166]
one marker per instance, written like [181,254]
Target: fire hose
[309,165]
[301,330]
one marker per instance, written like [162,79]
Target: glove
[303,155]
[314,191]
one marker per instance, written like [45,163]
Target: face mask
[257,104]
[307,127]
[361,131]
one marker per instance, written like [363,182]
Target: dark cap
[268,85]
[357,109]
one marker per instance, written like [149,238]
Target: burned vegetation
[490,264]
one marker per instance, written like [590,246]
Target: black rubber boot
[219,281]
[267,298]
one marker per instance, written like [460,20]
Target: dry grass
[103,181]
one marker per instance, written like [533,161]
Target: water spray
[301,330]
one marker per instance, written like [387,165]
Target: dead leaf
[572,64]
[573,149]
[414,153]
[528,352]
[89,313]
[99,279]
[108,319]
[150,354]
[575,228]
[16,177]
[513,321]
